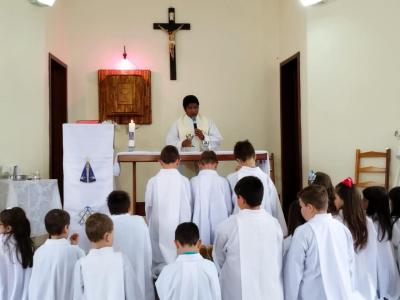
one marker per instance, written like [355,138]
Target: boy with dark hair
[320,260]
[245,156]
[54,261]
[190,276]
[192,129]
[131,237]
[103,273]
[248,248]
[211,197]
[167,204]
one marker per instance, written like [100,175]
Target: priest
[192,130]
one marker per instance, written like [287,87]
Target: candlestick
[131,135]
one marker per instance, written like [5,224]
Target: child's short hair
[244,150]
[55,221]
[251,189]
[97,225]
[190,99]
[316,195]
[208,157]
[187,234]
[394,195]
[169,154]
[118,202]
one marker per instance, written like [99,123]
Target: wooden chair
[272,167]
[372,169]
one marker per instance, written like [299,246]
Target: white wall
[227,59]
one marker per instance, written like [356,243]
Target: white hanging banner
[88,172]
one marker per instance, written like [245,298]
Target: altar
[135,157]
[35,197]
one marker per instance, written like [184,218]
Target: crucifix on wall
[171,28]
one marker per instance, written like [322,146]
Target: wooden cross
[171,28]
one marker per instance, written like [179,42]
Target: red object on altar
[88,121]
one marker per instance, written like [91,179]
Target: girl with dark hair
[16,254]
[323,179]
[388,273]
[295,219]
[350,212]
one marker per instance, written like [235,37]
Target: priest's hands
[187,143]
[199,134]
[74,239]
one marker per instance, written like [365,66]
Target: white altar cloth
[35,197]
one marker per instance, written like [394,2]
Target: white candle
[131,134]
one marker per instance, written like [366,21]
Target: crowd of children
[339,244]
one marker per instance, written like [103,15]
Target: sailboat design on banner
[87,174]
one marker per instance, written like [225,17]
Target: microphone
[194,123]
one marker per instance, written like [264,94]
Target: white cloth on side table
[35,197]
[82,143]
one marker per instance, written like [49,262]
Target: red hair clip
[348,182]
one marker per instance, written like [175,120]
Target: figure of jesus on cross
[171,28]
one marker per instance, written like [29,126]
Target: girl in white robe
[388,273]
[16,254]
[351,213]
[245,156]
[295,219]
[211,197]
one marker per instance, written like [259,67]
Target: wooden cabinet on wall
[125,95]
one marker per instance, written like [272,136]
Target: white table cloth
[35,197]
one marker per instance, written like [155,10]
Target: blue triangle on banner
[87,174]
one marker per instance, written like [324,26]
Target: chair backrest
[372,169]
[272,166]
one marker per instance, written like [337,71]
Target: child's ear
[66,229]
[108,237]
[199,244]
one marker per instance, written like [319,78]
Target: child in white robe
[320,261]
[56,259]
[211,197]
[245,156]
[394,196]
[248,248]
[378,210]
[104,274]
[190,276]
[131,237]
[351,213]
[16,254]
[167,204]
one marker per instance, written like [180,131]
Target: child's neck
[59,236]
[251,163]
[208,167]
[100,244]
[188,249]
[170,166]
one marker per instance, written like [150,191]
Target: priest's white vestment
[167,204]
[211,197]
[184,127]
[53,270]
[366,265]
[131,237]
[270,202]
[14,279]
[190,277]
[320,262]
[105,275]
[388,273]
[248,255]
